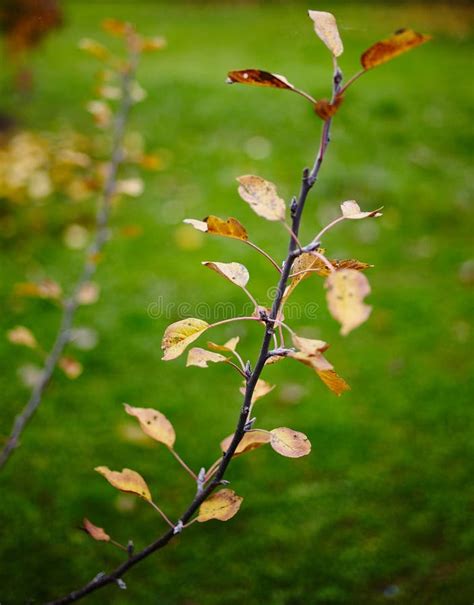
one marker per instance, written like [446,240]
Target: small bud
[121,584]
[178,528]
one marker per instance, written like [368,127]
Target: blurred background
[382,509]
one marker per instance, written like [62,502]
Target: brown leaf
[262,196]
[351,210]
[126,481]
[230,345]
[115,27]
[346,290]
[257,77]
[325,109]
[262,388]
[325,27]
[400,42]
[349,263]
[71,367]
[19,335]
[179,335]
[222,505]
[234,272]
[217,226]
[154,424]
[333,381]
[200,357]
[290,443]
[44,289]
[95,532]
[250,441]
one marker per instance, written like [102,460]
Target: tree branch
[90,265]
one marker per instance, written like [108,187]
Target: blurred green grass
[382,509]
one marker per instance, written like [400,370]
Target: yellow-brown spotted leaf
[290,443]
[222,505]
[200,357]
[325,27]
[234,272]
[19,335]
[262,388]
[258,77]
[95,532]
[250,441]
[154,424]
[351,210]
[346,290]
[217,226]
[179,335]
[325,109]
[229,346]
[308,345]
[126,481]
[262,196]
[400,42]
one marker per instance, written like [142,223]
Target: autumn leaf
[47,288]
[333,381]
[94,48]
[258,77]
[262,196]
[126,481]
[200,358]
[230,345]
[400,42]
[346,290]
[115,27]
[154,424]
[88,293]
[222,505]
[308,345]
[179,335]
[95,532]
[19,335]
[70,366]
[351,210]
[217,226]
[290,443]
[250,441]
[234,272]
[262,388]
[325,27]
[152,44]
[325,109]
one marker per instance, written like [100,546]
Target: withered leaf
[70,366]
[333,381]
[351,210]
[154,424]
[95,532]
[308,345]
[346,290]
[325,109]
[262,196]
[250,441]
[262,388]
[126,481]
[19,335]
[222,505]
[179,335]
[44,289]
[217,226]
[234,272]
[400,42]
[230,345]
[290,443]
[258,77]
[200,357]
[325,27]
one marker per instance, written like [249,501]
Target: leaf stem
[263,253]
[158,509]
[183,463]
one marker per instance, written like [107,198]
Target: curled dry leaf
[346,290]
[95,532]
[325,27]
[71,367]
[179,335]
[262,388]
[308,345]
[230,345]
[217,226]
[250,441]
[126,481]
[290,443]
[262,196]
[400,42]
[154,424]
[19,335]
[325,109]
[258,77]
[351,210]
[234,272]
[200,358]
[222,505]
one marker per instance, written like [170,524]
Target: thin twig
[309,178]
[101,235]
[263,253]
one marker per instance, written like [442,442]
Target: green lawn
[381,511]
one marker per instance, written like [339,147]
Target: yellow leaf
[95,532]
[179,335]
[262,388]
[262,196]
[19,335]
[126,481]
[222,505]
[346,290]
[44,289]
[333,381]
[351,210]
[230,345]
[154,424]
[250,441]
[200,357]
[88,293]
[217,226]
[234,272]
[325,27]
[94,48]
[71,367]
[258,77]
[290,443]
[400,42]
[152,44]
[115,27]
[308,345]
